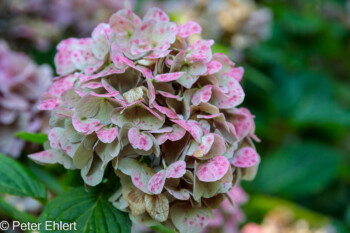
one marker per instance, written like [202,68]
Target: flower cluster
[44,22]
[22,84]
[228,216]
[161,111]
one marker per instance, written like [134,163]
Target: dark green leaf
[39,138]
[18,180]
[48,179]
[90,210]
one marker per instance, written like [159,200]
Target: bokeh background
[296,56]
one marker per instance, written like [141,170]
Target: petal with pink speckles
[55,136]
[202,95]
[110,69]
[200,51]
[197,68]
[233,98]
[107,135]
[164,34]
[189,28]
[187,80]
[49,104]
[213,170]
[188,219]
[52,156]
[176,134]
[124,22]
[156,14]
[205,126]
[213,67]
[83,57]
[117,56]
[236,73]
[63,62]
[169,95]
[245,157]
[139,176]
[204,147]
[92,85]
[153,36]
[93,172]
[100,42]
[138,116]
[112,94]
[86,126]
[182,194]
[169,113]
[61,85]
[243,125]
[168,77]
[192,127]
[156,183]
[176,170]
[140,140]
[158,54]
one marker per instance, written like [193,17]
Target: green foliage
[16,179]
[304,119]
[294,170]
[39,138]
[90,210]
[46,177]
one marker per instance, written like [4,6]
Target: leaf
[18,180]
[49,180]
[39,138]
[297,170]
[90,210]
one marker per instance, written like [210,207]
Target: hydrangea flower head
[163,112]
[22,84]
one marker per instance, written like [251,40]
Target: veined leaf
[91,211]
[18,180]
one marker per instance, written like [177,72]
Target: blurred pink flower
[22,84]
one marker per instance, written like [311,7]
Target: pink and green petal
[157,181]
[189,28]
[213,170]
[107,135]
[202,95]
[140,140]
[200,51]
[192,127]
[168,77]
[245,157]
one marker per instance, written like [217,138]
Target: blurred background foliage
[297,84]
[303,116]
